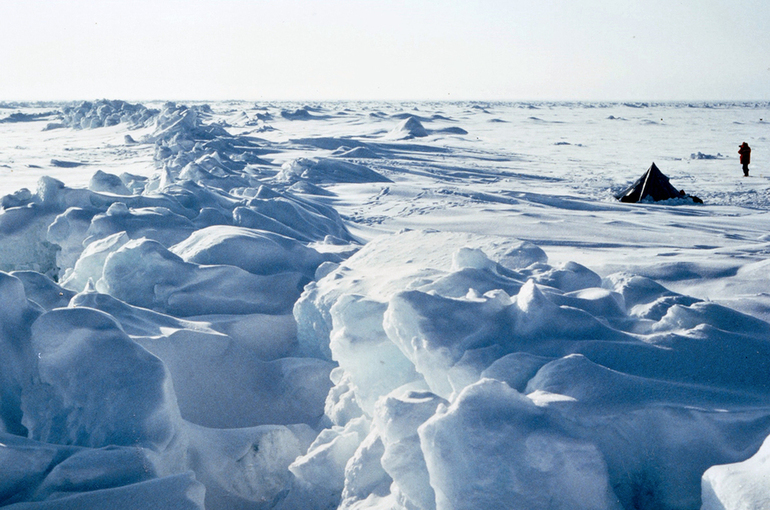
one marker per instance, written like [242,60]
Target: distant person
[745,152]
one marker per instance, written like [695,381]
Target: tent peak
[652,185]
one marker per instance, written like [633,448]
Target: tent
[653,186]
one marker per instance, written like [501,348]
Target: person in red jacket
[745,152]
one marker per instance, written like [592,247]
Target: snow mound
[324,171]
[102,419]
[103,113]
[411,127]
[355,153]
[408,128]
[83,357]
[144,273]
[452,130]
[301,114]
[255,251]
[66,164]
[739,485]
[157,223]
[700,155]
[43,291]
[25,117]
[108,183]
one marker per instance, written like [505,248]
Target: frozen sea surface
[382,306]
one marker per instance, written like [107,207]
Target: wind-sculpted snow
[164,363]
[411,127]
[26,117]
[198,325]
[535,373]
[301,114]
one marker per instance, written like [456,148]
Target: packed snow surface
[423,306]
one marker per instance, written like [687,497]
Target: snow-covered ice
[402,306]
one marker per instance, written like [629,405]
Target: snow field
[371,307]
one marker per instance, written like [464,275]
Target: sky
[645,50]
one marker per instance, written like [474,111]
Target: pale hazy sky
[378,49]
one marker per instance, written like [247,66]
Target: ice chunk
[471,258]
[16,364]
[110,183]
[374,364]
[594,300]
[341,404]
[180,491]
[180,123]
[570,277]
[54,196]
[23,465]
[210,216]
[23,244]
[68,230]
[324,463]
[515,369]
[494,448]
[94,386]
[301,220]
[93,469]
[268,337]
[365,479]
[135,183]
[397,418]
[223,383]
[18,198]
[636,290]
[43,291]
[91,115]
[144,273]
[156,223]
[134,320]
[257,252]
[90,264]
[738,486]
[458,284]
[243,468]
[592,384]
[36,475]
[434,332]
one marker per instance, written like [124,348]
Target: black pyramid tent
[653,185]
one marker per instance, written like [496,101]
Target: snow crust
[379,306]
